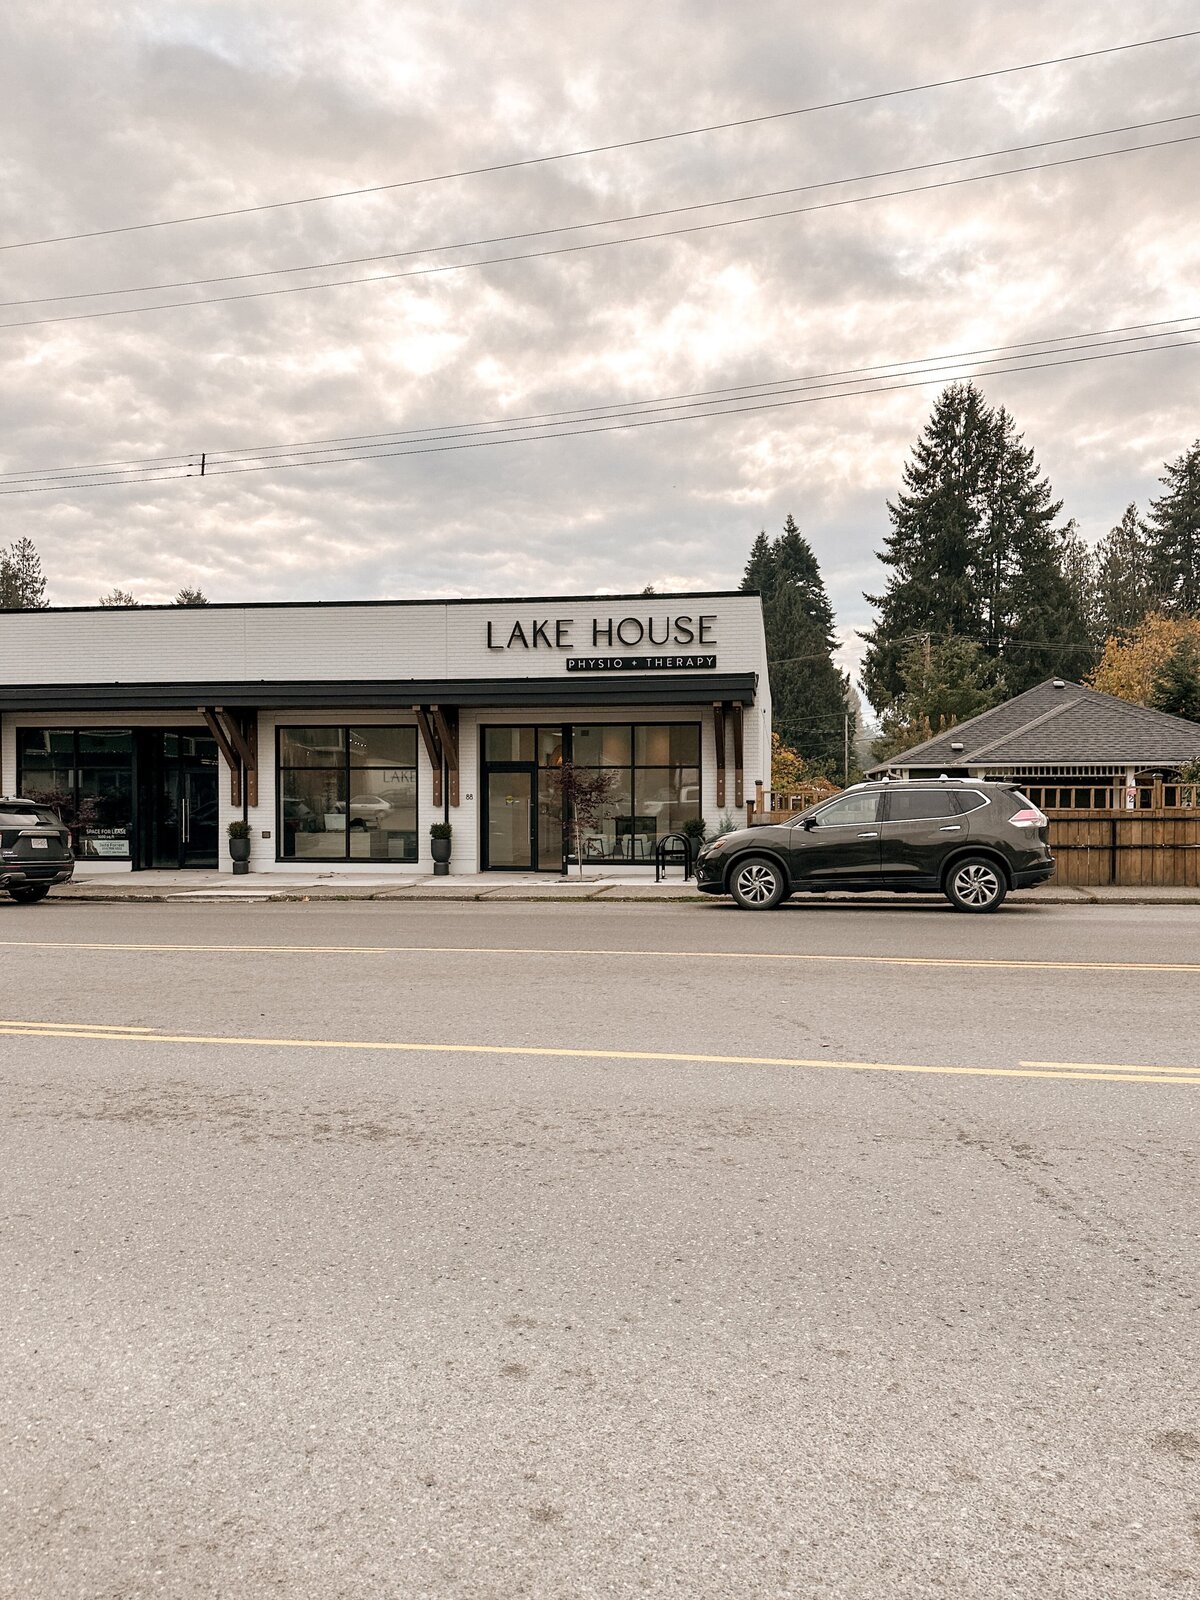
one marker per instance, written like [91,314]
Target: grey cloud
[116,113]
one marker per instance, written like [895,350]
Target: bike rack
[680,851]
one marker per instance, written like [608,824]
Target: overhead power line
[601,244]
[600,222]
[1063,343]
[603,149]
[434,447]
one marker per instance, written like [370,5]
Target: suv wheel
[27,893]
[757,884]
[976,884]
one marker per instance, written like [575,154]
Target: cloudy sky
[116,114]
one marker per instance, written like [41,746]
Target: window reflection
[348,793]
[654,782]
[85,775]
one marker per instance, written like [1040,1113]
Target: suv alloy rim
[976,885]
[756,882]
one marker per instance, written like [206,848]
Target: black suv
[972,842]
[35,850]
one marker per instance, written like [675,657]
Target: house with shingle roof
[1057,734]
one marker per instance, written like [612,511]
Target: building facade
[341,731]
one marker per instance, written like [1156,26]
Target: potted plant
[439,848]
[239,845]
[694,831]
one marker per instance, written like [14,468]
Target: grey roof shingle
[1058,722]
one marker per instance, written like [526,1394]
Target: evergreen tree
[943,681]
[807,689]
[1124,584]
[1174,526]
[188,596]
[974,553]
[22,584]
[933,550]
[1050,629]
[1177,683]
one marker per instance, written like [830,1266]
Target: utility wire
[1135,330]
[615,427]
[602,149]
[600,244]
[601,222]
[703,402]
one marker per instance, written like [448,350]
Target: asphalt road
[403,1251]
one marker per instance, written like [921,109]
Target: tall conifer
[1174,524]
[808,692]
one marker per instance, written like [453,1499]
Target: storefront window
[652,772]
[86,776]
[348,793]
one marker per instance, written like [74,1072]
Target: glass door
[198,817]
[509,822]
[181,777]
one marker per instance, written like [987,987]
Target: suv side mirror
[809,824]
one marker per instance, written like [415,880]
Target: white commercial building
[341,731]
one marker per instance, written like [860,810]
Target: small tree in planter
[694,830]
[439,847]
[586,794]
[239,845]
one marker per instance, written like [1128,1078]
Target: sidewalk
[257,888]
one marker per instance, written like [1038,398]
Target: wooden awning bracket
[719,733]
[239,747]
[739,776]
[446,721]
[433,749]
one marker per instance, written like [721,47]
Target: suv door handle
[954,827]
[868,836]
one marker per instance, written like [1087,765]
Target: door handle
[955,827]
[185,820]
[868,836]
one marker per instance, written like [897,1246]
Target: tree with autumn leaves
[1155,664]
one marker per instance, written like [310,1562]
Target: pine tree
[943,681]
[807,689]
[1176,686]
[22,584]
[934,548]
[1124,583]
[975,554]
[189,596]
[1174,526]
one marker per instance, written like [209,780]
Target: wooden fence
[1137,849]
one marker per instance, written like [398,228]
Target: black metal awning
[621,689]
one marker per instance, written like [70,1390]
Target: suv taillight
[1028,817]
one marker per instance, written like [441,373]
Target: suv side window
[852,810]
[970,800]
[919,805]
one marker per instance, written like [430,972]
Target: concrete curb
[574,894]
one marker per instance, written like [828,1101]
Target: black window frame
[76,762]
[345,769]
[566,734]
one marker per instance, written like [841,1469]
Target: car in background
[35,850]
[971,841]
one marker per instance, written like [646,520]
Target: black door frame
[151,764]
[530,770]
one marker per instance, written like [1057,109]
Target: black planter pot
[239,854]
[439,849]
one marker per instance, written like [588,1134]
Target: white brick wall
[336,642]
